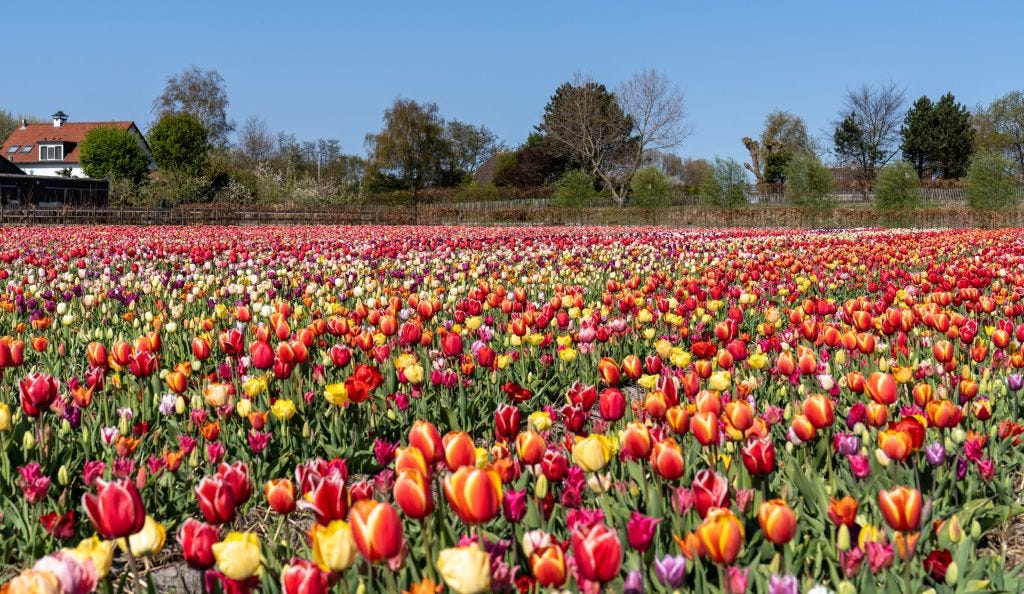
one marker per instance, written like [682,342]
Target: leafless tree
[879,113]
[255,140]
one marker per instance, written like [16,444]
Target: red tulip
[38,391]
[425,437]
[413,494]
[196,540]
[304,577]
[609,371]
[667,459]
[474,493]
[881,387]
[612,404]
[759,456]
[238,475]
[819,410]
[710,490]
[598,552]
[116,509]
[201,348]
[261,354]
[451,344]
[216,499]
[778,522]
[507,419]
[328,498]
[280,495]
[636,440]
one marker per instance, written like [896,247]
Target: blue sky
[328,69]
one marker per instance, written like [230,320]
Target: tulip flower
[530,447]
[376,529]
[280,495]
[704,427]
[843,511]
[413,494]
[425,437]
[598,552]
[547,563]
[593,452]
[640,531]
[901,508]
[710,490]
[667,459]
[636,441]
[217,500]
[819,410]
[759,456]
[507,419]
[196,540]
[148,541]
[328,498]
[37,391]
[34,581]
[612,404]
[459,450]
[116,509]
[238,555]
[721,535]
[304,577]
[333,546]
[466,570]
[671,571]
[777,520]
[474,493]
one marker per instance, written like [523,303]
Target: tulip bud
[193,458]
[843,538]
[28,441]
[84,432]
[958,435]
[179,406]
[5,418]
[306,431]
[952,573]
[65,427]
[124,426]
[540,489]
[62,476]
[975,530]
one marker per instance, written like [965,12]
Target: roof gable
[70,134]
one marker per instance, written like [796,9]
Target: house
[484,174]
[52,149]
[8,168]
[41,191]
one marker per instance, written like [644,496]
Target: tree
[10,122]
[200,93]
[938,137]
[725,184]
[533,164]
[410,146]
[809,182]
[466,148]
[113,153]
[649,187]
[255,140]
[179,142]
[868,136]
[695,171]
[991,182]
[898,187]
[609,134]
[574,189]
[1000,128]
[784,136]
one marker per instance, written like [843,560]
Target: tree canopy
[202,94]
[113,153]
[938,137]
[179,141]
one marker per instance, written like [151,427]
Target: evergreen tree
[937,137]
[918,138]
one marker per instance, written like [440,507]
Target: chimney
[24,123]
[59,118]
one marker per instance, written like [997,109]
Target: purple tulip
[783,584]
[935,453]
[671,571]
[1015,381]
[847,444]
[634,583]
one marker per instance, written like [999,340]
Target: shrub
[898,187]
[990,183]
[725,184]
[179,142]
[574,189]
[809,182]
[649,187]
[113,153]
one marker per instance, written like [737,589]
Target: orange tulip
[530,447]
[376,528]
[655,404]
[881,387]
[632,367]
[636,440]
[843,511]
[943,414]
[280,495]
[721,535]
[896,444]
[901,508]
[177,382]
[802,428]
[678,419]
[608,369]
[739,414]
[474,493]
[923,394]
[425,437]
[413,494]
[943,351]
[667,459]
[548,566]
[97,354]
[411,458]
[876,414]
[459,450]
[704,427]
[819,410]
[778,522]
[708,401]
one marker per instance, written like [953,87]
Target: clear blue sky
[328,69]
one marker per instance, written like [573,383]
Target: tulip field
[589,409]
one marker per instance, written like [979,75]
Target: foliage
[202,94]
[898,187]
[726,184]
[1000,128]
[853,147]
[808,182]
[938,137]
[868,135]
[991,182]
[649,187]
[112,153]
[574,189]
[784,136]
[466,147]
[179,142]
[534,164]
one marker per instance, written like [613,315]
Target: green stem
[133,567]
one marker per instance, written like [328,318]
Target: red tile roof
[70,133]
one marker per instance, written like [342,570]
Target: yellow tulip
[567,354]
[283,409]
[334,549]
[148,541]
[466,570]
[414,373]
[336,394]
[100,552]
[244,407]
[593,452]
[239,556]
[540,420]
[255,386]
[5,417]
[719,381]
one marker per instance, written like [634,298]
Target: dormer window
[51,152]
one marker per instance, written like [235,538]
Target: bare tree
[255,140]
[878,112]
[200,93]
[609,134]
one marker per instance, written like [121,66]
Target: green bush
[898,187]
[991,182]
[725,185]
[808,182]
[575,189]
[649,187]
[179,142]
[113,153]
